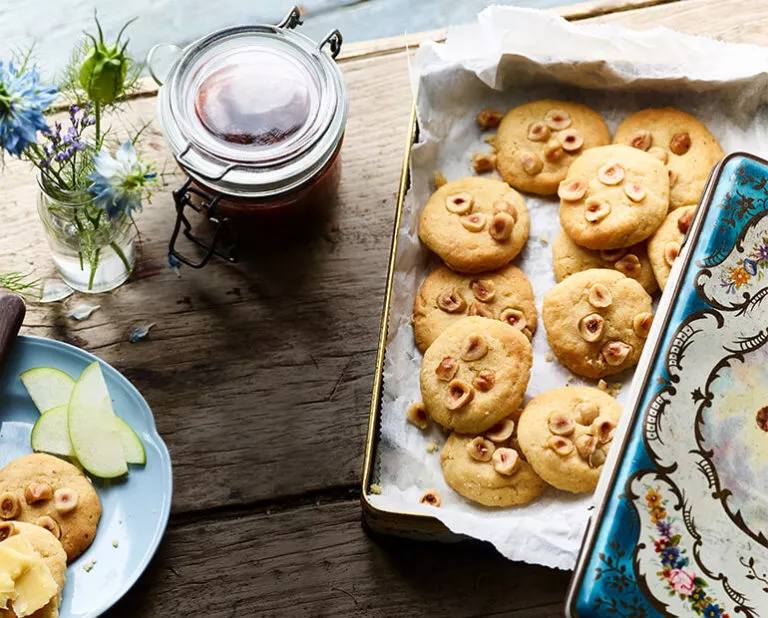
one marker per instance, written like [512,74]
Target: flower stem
[116,248]
[97,116]
[94,265]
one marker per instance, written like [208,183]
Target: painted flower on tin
[748,270]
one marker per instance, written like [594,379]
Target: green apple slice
[92,428]
[51,433]
[133,449]
[48,387]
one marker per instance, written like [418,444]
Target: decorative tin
[682,526]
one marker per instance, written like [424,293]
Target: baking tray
[682,520]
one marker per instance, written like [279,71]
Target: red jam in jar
[255,116]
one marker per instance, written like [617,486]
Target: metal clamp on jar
[255,117]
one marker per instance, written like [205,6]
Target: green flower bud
[103,72]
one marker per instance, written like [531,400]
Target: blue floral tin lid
[682,523]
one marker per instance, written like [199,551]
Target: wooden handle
[12,311]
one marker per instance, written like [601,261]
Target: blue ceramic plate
[136,509]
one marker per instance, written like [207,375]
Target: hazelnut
[474,222]
[553,150]
[597,458]
[560,424]
[641,140]
[504,206]
[571,140]
[489,119]
[591,327]
[611,174]
[661,154]
[501,431]
[483,163]
[642,324]
[603,428]
[531,162]
[505,461]
[671,251]
[585,446]
[572,189]
[501,226]
[629,265]
[616,352]
[459,395]
[480,310]
[447,369]
[538,132]
[612,255]
[10,506]
[7,529]
[684,222]
[596,209]
[417,415]
[483,289]
[586,412]
[50,524]
[452,301]
[430,498]
[558,119]
[38,492]
[680,143]
[65,500]
[480,449]
[439,179]
[635,191]
[459,203]
[599,296]
[474,347]
[562,446]
[513,317]
[673,177]
[484,380]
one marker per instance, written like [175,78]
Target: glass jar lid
[254,111]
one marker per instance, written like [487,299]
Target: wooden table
[259,376]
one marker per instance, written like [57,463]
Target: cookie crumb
[544,239]
[483,163]
[115,543]
[417,415]
[430,498]
[376,489]
[440,179]
[88,566]
[609,389]
[433,447]
[569,379]
[616,386]
[549,357]
[490,139]
[489,119]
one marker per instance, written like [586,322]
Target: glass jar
[255,116]
[92,253]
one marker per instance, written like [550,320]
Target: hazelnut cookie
[664,246]
[597,322]
[569,258]
[538,141]
[47,491]
[475,374]
[613,197]
[489,469]
[565,435]
[475,224]
[678,140]
[446,296]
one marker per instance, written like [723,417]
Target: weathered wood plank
[318,561]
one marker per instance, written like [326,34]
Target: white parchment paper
[511,56]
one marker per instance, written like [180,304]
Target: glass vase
[92,253]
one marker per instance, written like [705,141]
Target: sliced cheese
[35,586]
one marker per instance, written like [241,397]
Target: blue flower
[669,556]
[118,182]
[750,266]
[22,102]
[664,528]
[712,611]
